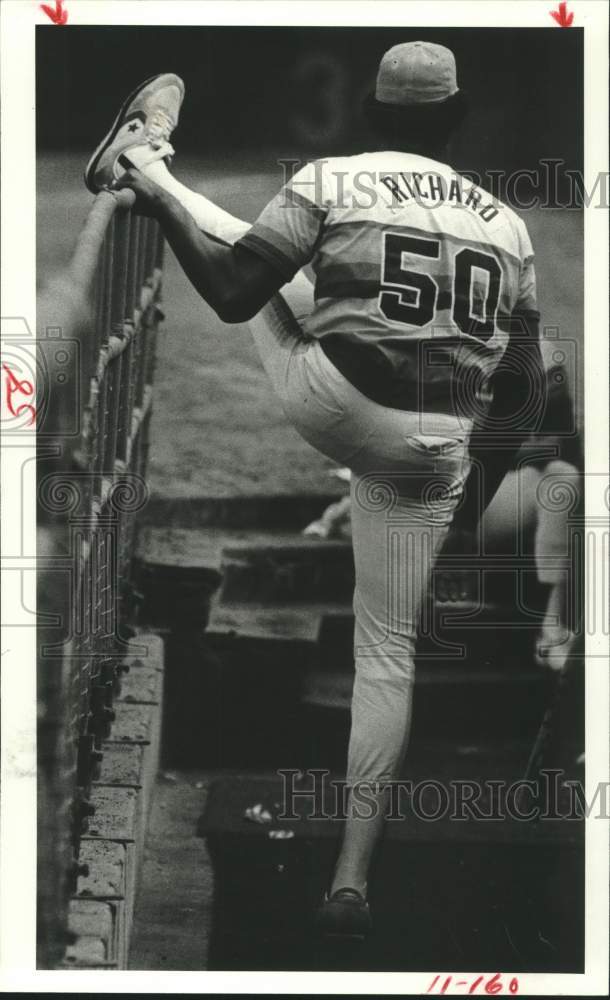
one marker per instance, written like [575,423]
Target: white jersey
[419,272]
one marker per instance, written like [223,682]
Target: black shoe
[345,914]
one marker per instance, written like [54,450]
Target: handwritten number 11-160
[493,985]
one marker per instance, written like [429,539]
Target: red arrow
[59,15]
[564,20]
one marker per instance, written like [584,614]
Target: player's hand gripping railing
[102,316]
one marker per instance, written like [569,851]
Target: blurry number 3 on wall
[324,105]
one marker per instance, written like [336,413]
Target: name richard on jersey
[364,189]
[431,190]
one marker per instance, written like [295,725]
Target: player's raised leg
[139,138]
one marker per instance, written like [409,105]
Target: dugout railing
[97,329]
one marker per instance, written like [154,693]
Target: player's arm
[235,282]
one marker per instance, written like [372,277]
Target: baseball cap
[416,73]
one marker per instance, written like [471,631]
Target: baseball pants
[408,470]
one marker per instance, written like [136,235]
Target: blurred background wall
[299,90]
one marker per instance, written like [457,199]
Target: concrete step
[468,705]
[311,804]
[279,677]
[446,892]
[287,569]
[181,569]
[276,657]
[333,689]
[459,633]
[297,623]
[277,512]
[203,548]
[279,565]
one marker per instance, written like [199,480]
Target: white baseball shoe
[146,121]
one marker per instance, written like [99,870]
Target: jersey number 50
[412,297]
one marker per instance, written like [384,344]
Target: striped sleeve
[288,229]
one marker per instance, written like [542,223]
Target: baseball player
[389,363]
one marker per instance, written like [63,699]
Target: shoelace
[159,127]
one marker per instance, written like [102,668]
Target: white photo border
[18,832]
